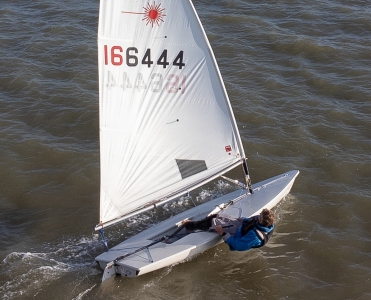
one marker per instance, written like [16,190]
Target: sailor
[240,234]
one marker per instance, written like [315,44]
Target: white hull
[266,194]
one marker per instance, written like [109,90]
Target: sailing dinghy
[166,128]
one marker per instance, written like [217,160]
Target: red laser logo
[152,14]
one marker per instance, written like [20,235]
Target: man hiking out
[240,234]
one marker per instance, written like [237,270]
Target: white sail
[166,123]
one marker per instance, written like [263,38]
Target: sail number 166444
[115,56]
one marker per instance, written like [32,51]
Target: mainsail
[166,124]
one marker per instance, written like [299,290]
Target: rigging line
[194,204]
[144,247]
[234,181]
[141,256]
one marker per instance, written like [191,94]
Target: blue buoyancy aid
[250,235]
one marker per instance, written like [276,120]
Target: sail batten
[166,123]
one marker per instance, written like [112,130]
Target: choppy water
[298,75]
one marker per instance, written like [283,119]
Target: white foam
[82,294]
[27,272]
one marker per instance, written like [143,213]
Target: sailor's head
[266,217]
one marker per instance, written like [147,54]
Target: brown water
[298,76]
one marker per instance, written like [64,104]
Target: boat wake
[27,273]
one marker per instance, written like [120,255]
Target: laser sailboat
[166,128]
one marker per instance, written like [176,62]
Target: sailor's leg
[203,224]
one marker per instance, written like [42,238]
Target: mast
[247,176]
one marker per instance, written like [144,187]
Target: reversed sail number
[171,83]
[115,57]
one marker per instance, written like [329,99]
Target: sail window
[189,167]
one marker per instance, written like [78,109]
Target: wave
[24,274]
